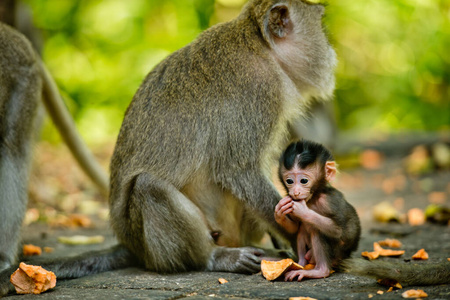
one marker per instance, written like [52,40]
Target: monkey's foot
[309,257]
[300,274]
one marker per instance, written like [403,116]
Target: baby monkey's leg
[322,268]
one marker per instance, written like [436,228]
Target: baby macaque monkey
[327,226]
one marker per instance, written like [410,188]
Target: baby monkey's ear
[330,170]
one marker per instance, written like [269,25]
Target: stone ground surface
[358,186]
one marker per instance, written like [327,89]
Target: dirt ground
[405,173]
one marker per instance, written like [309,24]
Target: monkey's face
[298,182]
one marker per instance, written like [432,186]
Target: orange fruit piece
[29,279]
[271,270]
[387,252]
[30,249]
[420,255]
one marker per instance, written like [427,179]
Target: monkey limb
[24,83]
[317,221]
[405,273]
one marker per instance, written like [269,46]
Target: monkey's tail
[66,127]
[117,257]
[404,273]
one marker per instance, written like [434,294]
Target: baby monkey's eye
[289,181]
[303,181]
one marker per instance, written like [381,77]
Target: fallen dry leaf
[28,279]
[29,250]
[370,255]
[420,255]
[222,280]
[49,249]
[81,239]
[419,161]
[390,282]
[437,197]
[385,212]
[416,217]
[72,221]
[387,252]
[414,294]
[371,159]
[441,155]
[271,270]
[391,243]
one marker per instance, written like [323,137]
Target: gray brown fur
[197,143]
[406,274]
[24,85]
[194,152]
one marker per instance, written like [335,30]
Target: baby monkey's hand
[282,211]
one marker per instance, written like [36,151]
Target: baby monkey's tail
[404,273]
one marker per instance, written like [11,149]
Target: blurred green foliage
[393,73]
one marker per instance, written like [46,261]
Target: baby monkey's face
[299,182]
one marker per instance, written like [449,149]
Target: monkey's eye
[303,181]
[289,181]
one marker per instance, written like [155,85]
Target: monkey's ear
[279,22]
[330,170]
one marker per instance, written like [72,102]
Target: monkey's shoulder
[20,51]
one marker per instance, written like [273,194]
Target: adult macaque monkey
[24,82]
[196,147]
[327,226]
[195,151]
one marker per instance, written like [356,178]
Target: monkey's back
[201,93]
[345,216]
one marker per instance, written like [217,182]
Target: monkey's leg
[19,97]
[168,232]
[302,241]
[320,254]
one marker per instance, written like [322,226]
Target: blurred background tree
[393,73]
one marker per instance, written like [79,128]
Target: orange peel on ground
[379,251]
[391,243]
[420,255]
[387,252]
[271,270]
[416,217]
[222,280]
[414,294]
[29,279]
[30,249]
[370,255]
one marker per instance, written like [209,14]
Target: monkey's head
[306,167]
[294,32]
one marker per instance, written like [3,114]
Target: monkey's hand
[5,285]
[237,260]
[282,211]
[300,210]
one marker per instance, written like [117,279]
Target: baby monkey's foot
[300,274]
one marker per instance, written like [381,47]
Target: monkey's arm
[321,223]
